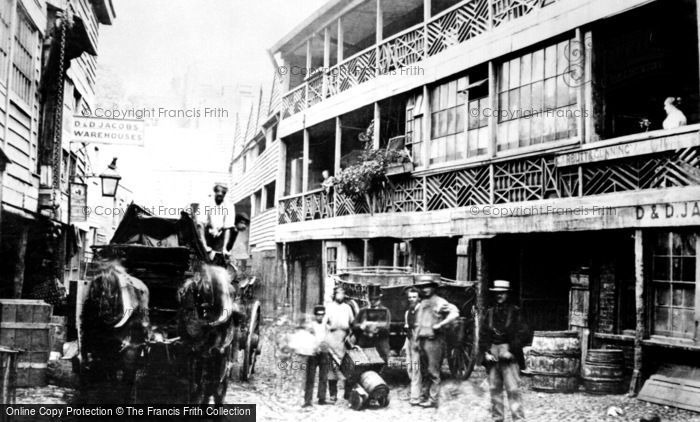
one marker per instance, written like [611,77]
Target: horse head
[116,295]
[209,295]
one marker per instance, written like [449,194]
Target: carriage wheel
[461,355]
[252,343]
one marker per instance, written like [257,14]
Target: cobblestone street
[277,390]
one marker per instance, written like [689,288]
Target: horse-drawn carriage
[176,315]
[393,281]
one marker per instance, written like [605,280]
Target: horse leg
[129,358]
[222,378]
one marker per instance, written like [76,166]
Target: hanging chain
[58,106]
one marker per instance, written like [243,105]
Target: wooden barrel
[358,398]
[603,372]
[375,386]
[554,361]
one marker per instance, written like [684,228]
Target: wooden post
[410,253]
[581,88]
[481,267]
[493,106]
[463,268]
[376,142]
[490,23]
[309,60]
[326,60]
[19,263]
[338,145]
[379,36]
[588,58]
[305,163]
[365,252]
[341,41]
[426,128]
[636,380]
[427,14]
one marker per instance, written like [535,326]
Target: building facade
[49,75]
[542,149]
[253,190]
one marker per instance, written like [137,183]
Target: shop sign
[676,211]
[630,149]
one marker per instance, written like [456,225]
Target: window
[414,128]
[271,134]
[5,17]
[477,121]
[536,105]
[331,261]
[23,58]
[270,195]
[674,262]
[448,140]
[257,202]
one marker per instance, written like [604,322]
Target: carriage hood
[140,227]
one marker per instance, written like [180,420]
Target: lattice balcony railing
[315,94]
[402,50]
[453,26]
[517,180]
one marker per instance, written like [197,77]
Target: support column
[427,12]
[20,257]
[305,163]
[493,106]
[379,36]
[482,284]
[463,267]
[426,127]
[376,142]
[341,41]
[636,380]
[338,145]
[326,60]
[366,252]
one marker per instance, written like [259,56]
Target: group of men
[426,324]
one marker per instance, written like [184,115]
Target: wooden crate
[25,326]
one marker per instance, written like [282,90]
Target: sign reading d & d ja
[98,130]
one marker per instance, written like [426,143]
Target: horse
[208,318]
[114,324]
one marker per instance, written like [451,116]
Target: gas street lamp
[110,180]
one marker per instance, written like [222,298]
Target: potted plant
[362,181]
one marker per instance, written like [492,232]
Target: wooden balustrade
[512,181]
[457,24]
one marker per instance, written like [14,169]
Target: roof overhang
[313,23]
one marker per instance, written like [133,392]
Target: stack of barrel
[603,371]
[554,361]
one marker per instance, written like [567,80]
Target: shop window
[536,104]
[23,66]
[674,262]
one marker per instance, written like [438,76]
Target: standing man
[500,350]
[411,347]
[372,324]
[339,317]
[214,224]
[433,314]
[319,360]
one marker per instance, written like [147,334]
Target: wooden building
[47,69]
[254,173]
[539,155]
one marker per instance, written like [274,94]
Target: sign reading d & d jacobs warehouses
[98,130]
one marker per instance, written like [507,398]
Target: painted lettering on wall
[667,211]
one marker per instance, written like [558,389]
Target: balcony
[646,161]
[457,24]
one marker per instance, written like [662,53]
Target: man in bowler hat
[372,324]
[500,350]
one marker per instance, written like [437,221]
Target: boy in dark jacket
[500,350]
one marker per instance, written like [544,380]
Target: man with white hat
[215,223]
[500,350]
